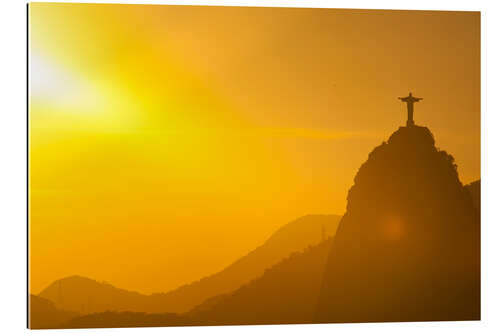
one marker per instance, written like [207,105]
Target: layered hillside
[286,293]
[86,296]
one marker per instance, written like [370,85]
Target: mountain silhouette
[86,296]
[407,248]
[44,314]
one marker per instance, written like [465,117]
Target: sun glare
[52,84]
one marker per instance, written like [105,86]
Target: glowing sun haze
[168,141]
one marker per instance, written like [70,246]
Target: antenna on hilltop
[60,293]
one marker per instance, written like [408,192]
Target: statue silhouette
[409,100]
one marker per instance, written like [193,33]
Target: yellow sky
[168,141]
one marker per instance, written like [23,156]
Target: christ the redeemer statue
[409,100]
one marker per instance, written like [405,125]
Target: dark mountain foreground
[407,248]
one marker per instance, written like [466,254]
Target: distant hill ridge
[287,292]
[84,295]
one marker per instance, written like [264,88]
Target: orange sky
[168,141]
